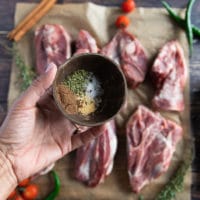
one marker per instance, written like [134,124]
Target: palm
[35,134]
[41,137]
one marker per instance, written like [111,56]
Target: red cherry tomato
[12,194]
[30,192]
[128,6]
[122,21]
[18,197]
[24,183]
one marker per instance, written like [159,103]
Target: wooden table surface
[7,9]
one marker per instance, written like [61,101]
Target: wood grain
[6,24]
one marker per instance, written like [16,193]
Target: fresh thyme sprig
[26,73]
[175,184]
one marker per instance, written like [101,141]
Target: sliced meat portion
[52,44]
[127,51]
[94,161]
[169,74]
[133,59]
[85,43]
[170,96]
[151,142]
[111,49]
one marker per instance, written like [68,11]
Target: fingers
[38,88]
[83,138]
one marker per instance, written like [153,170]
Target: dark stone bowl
[112,81]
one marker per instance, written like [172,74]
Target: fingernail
[49,67]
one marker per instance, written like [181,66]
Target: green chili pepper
[189,24]
[56,189]
[172,14]
[191,30]
[196,31]
[179,20]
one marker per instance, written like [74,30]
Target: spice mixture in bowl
[80,93]
[89,89]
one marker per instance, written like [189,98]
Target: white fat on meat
[130,48]
[94,161]
[85,167]
[113,148]
[151,142]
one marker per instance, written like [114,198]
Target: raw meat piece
[52,44]
[85,43]
[169,74]
[111,49]
[133,59]
[94,161]
[127,51]
[151,142]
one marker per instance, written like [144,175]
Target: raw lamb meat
[127,51]
[151,142]
[85,43]
[112,50]
[169,74]
[94,161]
[133,59]
[52,44]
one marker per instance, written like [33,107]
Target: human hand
[35,133]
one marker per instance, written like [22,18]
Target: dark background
[7,8]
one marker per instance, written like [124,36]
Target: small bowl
[112,82]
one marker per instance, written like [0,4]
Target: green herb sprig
[26,73]
[175,184]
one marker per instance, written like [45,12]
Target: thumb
[80,139]
[38,88]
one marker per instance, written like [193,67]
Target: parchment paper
[153,28]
